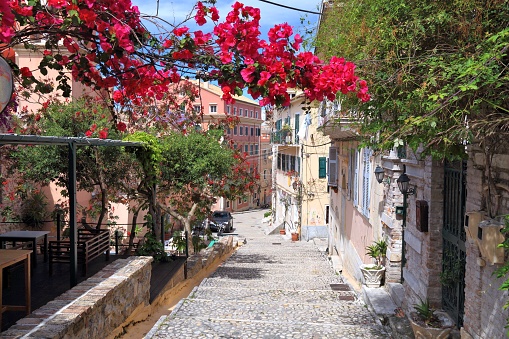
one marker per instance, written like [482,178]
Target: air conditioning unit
[488,238]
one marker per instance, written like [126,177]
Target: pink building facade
[246,137]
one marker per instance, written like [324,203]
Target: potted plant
[374,273]
[429,323]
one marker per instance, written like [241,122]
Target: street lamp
[379,175]
[405,189]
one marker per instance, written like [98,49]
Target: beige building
[299,171]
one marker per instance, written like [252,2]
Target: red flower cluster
[110,48]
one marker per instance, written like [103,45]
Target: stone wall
[92,308]
[110,300]
[484,315]
[424,249]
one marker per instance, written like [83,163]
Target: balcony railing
[337,123]
[283,137]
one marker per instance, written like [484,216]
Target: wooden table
[9,258]
[27,236]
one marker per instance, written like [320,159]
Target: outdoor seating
[90,245]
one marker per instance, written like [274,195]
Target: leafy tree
[184,173]
[437,71]
[100,169]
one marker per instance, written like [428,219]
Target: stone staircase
[271,288]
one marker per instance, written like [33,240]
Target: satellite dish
[6,84]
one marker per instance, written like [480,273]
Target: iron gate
[452,277]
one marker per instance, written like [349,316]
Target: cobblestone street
[270,287]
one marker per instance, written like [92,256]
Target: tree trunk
[133,229]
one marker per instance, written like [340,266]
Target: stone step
[215,327]
[275,295]
[344,313]
[273,283]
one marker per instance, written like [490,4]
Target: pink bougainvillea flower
[180,31]
[103,134]
[121,127]
[25,72]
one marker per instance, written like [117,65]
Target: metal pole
[73,234]
[116,242]
[403,258]
[187,245]
[59,225]
[162,229]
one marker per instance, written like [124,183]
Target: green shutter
[322,167]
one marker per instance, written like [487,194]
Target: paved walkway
[270,287]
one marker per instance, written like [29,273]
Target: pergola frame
[71,143]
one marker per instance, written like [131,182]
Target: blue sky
[176,12]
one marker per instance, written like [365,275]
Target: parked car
[221,221]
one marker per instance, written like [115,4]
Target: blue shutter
[366,181]
[355,178]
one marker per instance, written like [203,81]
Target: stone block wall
[484,315]
[93,308]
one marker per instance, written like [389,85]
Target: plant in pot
[428,323]
[373,274]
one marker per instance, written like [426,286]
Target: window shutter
[366,182]
[356,178]
[333,167]
[322,167]
[297,124]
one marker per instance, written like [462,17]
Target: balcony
[283,137]
[337,124]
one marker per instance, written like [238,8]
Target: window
[256,149]
[247,130]
[228,109]
[234,110]
[246,148]
[333,167]
[241,130]
[251,152]
[327,214]
[256,114]
[366,181]
[353,176]
[235,130]
[213,108]
[240,112]
[251,113]
[239,201]
[297,125]
[265,174]
[322,167]
[227,203]
[252,131]
[197,108]
[257,132]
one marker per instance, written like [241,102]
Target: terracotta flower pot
[422,331]
[295,236]
[282,232]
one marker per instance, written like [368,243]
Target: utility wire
[292,8]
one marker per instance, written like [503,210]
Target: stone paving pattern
[270,287]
